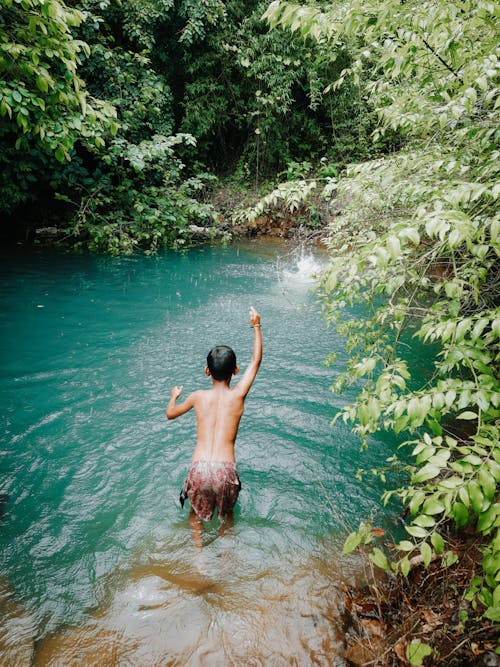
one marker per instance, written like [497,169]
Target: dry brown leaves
[428,606]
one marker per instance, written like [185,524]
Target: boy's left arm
[174,410]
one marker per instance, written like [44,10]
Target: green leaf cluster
[82,81]
[43,101]
[417,242]
[148,204]
[92,128]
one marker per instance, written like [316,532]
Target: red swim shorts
[211,484]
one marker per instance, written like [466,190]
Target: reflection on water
[99,557]
[169,611]
[17,630]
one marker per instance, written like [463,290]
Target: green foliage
[121,183]
[43,101]
[260,97]
[136,196]
[199,16]
[291,196]
[417,651]
[84,87]
[45,108]
[142,202]
[361,536]
[140,95]
[417,242]
[139,20]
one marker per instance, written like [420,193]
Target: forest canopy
[117,117]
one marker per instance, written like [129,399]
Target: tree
[418,243]
[134,192]
[42,98]
[44,106]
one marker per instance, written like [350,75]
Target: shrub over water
[417,240]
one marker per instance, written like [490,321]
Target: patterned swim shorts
[211,484]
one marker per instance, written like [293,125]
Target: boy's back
[218,414]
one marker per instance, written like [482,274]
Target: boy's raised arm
[174,410]
[246,381]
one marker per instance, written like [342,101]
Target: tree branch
[443,62]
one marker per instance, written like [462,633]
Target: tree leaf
[493,613]
[426,552]
[416,531]
[460,514]
[450,558]
[424,520]
[394,246]
[352,541]
[425,454]
[416,501]
[42,84]
[467,415]
[405,566]
[487,482]
[427,472]
[433,506]
[464,496]
[487,518]
[416,651]
[379,559]
[437,543]
[476,496]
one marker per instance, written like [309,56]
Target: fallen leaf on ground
[360,653]
[400,650]
[372,627]
[361,607]
[378,532]
[476,649]
[432,619]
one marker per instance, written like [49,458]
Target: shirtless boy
[212,480]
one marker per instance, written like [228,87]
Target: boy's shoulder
[200,393]
[196,393]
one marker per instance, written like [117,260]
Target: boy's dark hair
[221,362]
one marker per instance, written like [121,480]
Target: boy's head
[221,362]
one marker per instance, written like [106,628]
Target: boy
[212,480]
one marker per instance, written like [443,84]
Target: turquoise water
[99,565]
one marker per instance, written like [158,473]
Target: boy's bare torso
[218,413]
[219,409]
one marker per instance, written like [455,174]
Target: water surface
[99,565]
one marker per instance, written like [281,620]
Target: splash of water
[305,267]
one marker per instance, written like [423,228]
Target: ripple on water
[93,540]
[17,630]
[218,609]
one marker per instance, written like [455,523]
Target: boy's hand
[254,317]
[176,392]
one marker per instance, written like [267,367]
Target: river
[99,565]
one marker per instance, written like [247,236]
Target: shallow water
[99,565]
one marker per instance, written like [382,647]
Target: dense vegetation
[116,117]
[418,242]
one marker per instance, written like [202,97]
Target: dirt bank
[387,618]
